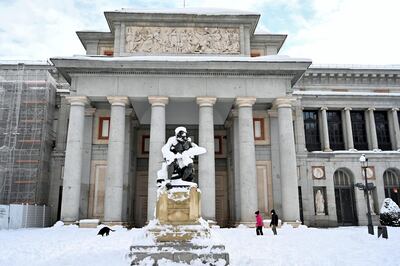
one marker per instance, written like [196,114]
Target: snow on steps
[179,252]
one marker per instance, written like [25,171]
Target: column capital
[394,109]
[206,101]
[234,113]
[129,112]
[371,109]
[272,113]
[347,108]
[284,102]
[118,100]
[90,111]
[158,100]
[324,108]
[78,100]
[246,101]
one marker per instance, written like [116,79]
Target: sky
[326,31]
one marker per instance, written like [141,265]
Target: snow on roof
[192,11]
[351,66]
[268,58]
[343,93]
[26,62]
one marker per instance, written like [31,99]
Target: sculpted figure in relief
[182,40]
[320,203]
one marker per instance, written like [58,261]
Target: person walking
[259,223]
[274,221]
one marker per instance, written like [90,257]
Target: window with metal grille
[391,181]
[311,130]
[359,130]
[382,130]
[335,130]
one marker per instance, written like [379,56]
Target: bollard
[382,231]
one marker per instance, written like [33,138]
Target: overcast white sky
[327,31]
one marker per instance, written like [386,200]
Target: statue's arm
[166,151]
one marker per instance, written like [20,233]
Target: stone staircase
[182,252]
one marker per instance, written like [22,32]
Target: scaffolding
[27,98]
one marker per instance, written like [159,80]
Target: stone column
[157,141]
[396,129]
[236,164]
[115,160]
[287,157]
[372,128]
[349,130]
[325,131]
[73,159]
[207,161]
[248,177]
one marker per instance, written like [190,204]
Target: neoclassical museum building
[280,133]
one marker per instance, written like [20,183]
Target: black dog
[105,231]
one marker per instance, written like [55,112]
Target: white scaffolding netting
[26,109]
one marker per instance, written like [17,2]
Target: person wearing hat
[274,221]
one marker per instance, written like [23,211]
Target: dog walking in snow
[105,231]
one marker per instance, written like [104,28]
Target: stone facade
[281,134]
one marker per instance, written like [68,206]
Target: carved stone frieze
[182,40]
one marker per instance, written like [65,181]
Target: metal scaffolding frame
[27,98]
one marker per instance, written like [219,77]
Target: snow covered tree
[390,213]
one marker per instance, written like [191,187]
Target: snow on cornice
[186,58]
[354,66]
[26,62]
[190,11]
[343,93]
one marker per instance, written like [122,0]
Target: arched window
[391,181]
[342,179]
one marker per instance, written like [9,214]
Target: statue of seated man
[178,154]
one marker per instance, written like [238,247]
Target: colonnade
[371,128]
[114,177]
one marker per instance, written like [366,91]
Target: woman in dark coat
[274,221]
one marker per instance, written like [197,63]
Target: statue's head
[181,134]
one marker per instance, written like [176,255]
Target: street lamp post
[364,166]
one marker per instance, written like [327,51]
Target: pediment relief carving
[182,40]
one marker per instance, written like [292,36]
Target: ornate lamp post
[364,166]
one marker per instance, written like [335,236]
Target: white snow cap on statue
[178,129]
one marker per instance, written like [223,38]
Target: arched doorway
[391,181]
[344,197]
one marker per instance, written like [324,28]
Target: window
[104,127]
[218,144]
[311,130]
[382,130]
[398,117]
[108,52]
[359,130]
[335,130]
[391,183]
[258,125]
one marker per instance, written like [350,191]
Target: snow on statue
[178,154]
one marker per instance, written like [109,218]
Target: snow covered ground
[70,245]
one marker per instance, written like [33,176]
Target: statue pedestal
[178,221]
[178,215]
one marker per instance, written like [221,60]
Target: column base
[327,150]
